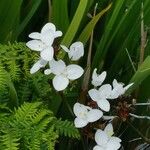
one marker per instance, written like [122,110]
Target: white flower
[76,50]
[39,64]
[64,73]
[118,89]
[97,80]
[85,114]
[105,140]
[101,95]
[43,41]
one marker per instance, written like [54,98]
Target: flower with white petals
[85,114]
[75,51]
[64,73]
[97,79]
[38,65]
[105,140]
[101,95]
[43,41]
[118,89]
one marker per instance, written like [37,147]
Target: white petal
[117,84]
[35,35]
[79,110]
[104,104]
[97,147]
[94,94]
[48,26]
[43,62]
[115,139]
[47,38]
[105,91]
[76,51]
[35,67]
[57,34]
[94,115]
[109,130]
[47,71]
[97,80]
[74,72]
[101,137]
[47,54]
[39,64]
[64,48]
[60,82]
[80,123]
[113,143]
[57,67]
[35,45]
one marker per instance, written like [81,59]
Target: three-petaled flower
[43,41]
[64,73]
[105,140]
[85,114]
[75,51]
[101,96]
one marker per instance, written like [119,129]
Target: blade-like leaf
[90,26]
[9,18]
[34,6]
[60,14]
[73,28]
[108,29]
[142,73]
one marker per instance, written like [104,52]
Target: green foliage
[15,80]
[32,127]
[12,20]
[66,128]
[142,73]
[9,18]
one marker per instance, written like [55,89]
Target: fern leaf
[3,79]
[26,111]
[10,140]
[67,128]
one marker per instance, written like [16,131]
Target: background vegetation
[118,48]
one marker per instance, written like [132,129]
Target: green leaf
[105,38]
[60,14]
[33,7]
[90,26]
[142,73]
[9,18]
[73,28]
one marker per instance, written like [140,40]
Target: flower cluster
[43,43]
[101,94]
[63,74]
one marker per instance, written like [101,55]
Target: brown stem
[49,10]
[86,78]
[143,37]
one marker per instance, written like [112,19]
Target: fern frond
[67,128]
[3,79]
[26,111]
[10,140]
[14,70]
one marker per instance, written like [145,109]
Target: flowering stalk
[85,84]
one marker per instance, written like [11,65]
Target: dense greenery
[29,106]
